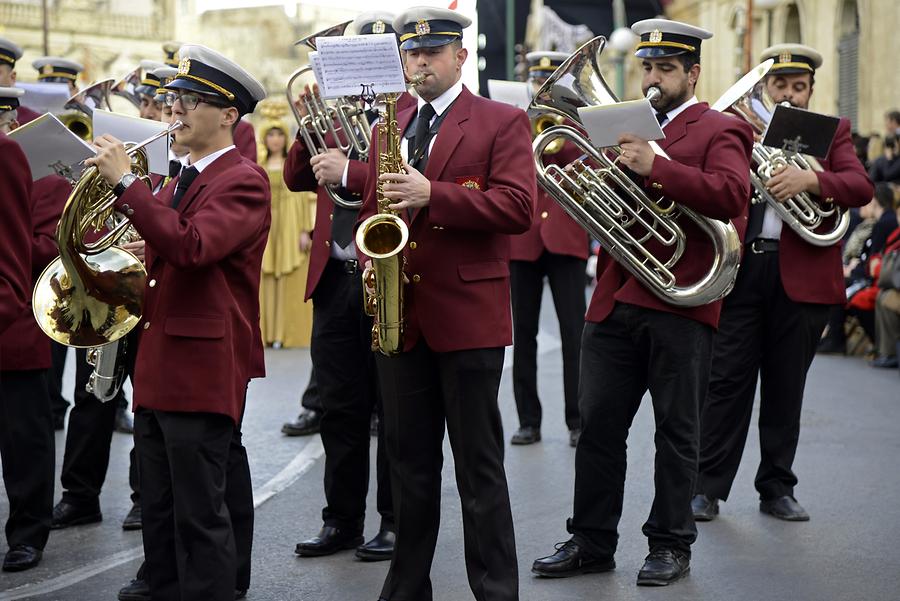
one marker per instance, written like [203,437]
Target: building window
[848,62]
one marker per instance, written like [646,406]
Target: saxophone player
[469,184]
[634,342]
[341,344]
[774,317]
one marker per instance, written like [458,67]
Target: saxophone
[382,237]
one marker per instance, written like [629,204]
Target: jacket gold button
[151,283]
[125,207]
[147,325]
[412,245]
[544,215]
[328,243]
[417,278]
[129,212]
[331,216]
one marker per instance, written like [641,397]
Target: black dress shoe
[124,423]
[574,435]
[830,346]
[137,590]
[133,520]
[21,557]
[306,423]
[888,362]
[239,593]
[662,567]
[705,508]
[329,540]
[571,559]
[784,508]
[66,514]
[379,548]
[526,435]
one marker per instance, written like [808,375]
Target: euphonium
[345,120]
[802,213]
[92,293]
[612,208]
[542,121]
[78,117]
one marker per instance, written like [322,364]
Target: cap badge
[378,26]
[422,27]
[545,61]
[656,36]
[47,69]
[784,57]
[184,67]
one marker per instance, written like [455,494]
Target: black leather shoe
[133,520]
[239,593]
[137,590]
[889,362]
[21,557]
[306,423]
[784,508]
[705,508]
[66,514]
[379,548]
[329,540]
[571,559]
[574,435]
[830,346]
[526,435]
[124,423]
[662,567]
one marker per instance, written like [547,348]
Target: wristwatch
[127,180]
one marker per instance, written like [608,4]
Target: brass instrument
[109,370]
[78,117]
[542,121]
[612,208]
[802,213]
[382,237]
[125,87]
[345,119]
[92,294]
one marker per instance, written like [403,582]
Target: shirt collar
[442,102]
[670,116]
[208,159]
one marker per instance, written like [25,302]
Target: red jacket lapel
[229,159]
[677,129]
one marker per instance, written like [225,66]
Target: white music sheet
[516,93]
[135,129]
[51,148]
[350,62]
[605,123]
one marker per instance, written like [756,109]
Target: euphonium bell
[78,117]
[542,121]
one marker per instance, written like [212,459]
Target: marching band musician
[469,184]
[341,345]
[205,237]
[151,104]
[555,248]
[26,427]
[633,341]
[10,52]
[54,69]
[773,319]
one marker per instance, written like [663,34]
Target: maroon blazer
[553,230]
[15,232]
[482,191]
[298,176]
[245,139]
[200,341]
[813,274]
[24,345]
[709,172]
[26,115]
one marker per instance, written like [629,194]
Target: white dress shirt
[670,115]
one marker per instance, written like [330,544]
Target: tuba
[612,208]
[92,294]
[345,120]
[802,213]
[78,117]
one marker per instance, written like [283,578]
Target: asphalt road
[847,465]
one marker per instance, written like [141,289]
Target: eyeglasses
[190,100]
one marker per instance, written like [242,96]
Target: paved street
[847,465]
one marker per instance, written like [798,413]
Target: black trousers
[632,351]
[310,399]
[191,535]
[89,435]
[423,391]
[54,379]
[28,451]
[566,276]
[345,375]
[762,334]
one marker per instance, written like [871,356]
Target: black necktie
[174,167]
[420,142]
[187,177]
[660,117]
[342,222]
[755,220]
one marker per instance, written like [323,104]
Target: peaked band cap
[792,58]
[165,75]
[10,52]
[543,63]
[149,82]
[429,27]
[55,69]
[374,22]
[9,98]
[662,37]
[204,70]
[170,49]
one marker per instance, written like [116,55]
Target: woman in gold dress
[285,320]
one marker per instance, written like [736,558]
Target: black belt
[763,245]
[349,266]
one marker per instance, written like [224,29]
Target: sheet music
[606,122]
[45,97]
[51,149]
[316,64]
[516,93]
[350,62]
[135,129]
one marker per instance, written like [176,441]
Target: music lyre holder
[794,146]
[64,171]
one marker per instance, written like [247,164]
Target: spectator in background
[892,123]
[886,168]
